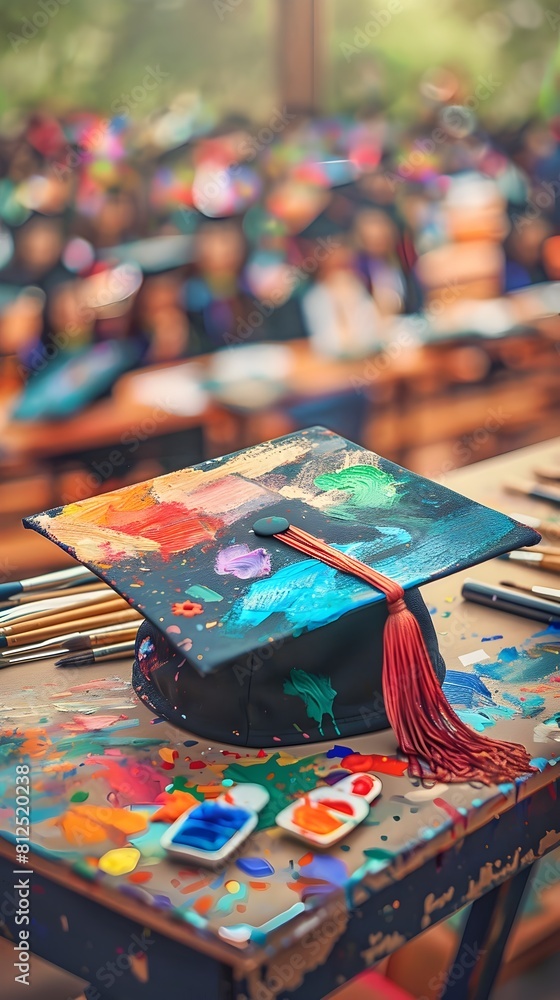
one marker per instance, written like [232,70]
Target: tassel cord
[425,724]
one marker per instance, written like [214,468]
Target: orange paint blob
[203,904]
[174,805]
[84,824]
[315,818]
[140,877]
[187,609]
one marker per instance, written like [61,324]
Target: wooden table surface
[422,854]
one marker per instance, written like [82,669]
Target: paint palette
[210,831]
[328,814]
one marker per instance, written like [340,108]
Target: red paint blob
[374,762]
[362,785]
[340,805]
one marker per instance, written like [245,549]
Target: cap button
[267,526]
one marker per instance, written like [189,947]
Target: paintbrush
[13,661]
[527,489]
[62,643]
[549,473]
[546,550]
[42,608]
[549,592]
[118,652]
[60,578]
[535,559]
[80,625]
[43,595]
[68,615]
[549,528]
[92,640]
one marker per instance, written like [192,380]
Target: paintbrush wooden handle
[550,530]
[550,563]
[79,625]
[548,473]
[545,550]
[118,635]
[43,595]
[32,624]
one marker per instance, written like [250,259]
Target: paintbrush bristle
[80,660]
[78,642]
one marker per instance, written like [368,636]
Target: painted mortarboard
[279,586]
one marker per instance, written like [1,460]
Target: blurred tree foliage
[89,53]
[381,49]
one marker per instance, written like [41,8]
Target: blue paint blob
[540,763]
[490,638]
[189,743]
[508,655]
[326,868]
[210,825]
[339,751]
[466,690]
[255,867]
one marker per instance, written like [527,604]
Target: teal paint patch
[531,664]
[317,694]
[199,593]
[528,704]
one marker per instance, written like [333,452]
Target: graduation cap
[279,586]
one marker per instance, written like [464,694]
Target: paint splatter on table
[107,779]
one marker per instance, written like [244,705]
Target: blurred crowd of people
[122,244]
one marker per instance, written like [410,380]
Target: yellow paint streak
[433,902]
[381,944]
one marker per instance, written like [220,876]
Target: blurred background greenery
[75,53]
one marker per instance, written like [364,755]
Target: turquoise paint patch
[529,665]
[200,593]
[528,704]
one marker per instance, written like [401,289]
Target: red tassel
[426,727]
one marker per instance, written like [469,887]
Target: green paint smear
[378,854]
[366,486]
[317,694]
[92,743]
[283,782]
[203,593]
[79,797]
[180,783]
[84,869]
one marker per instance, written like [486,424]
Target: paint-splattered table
[279,921]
